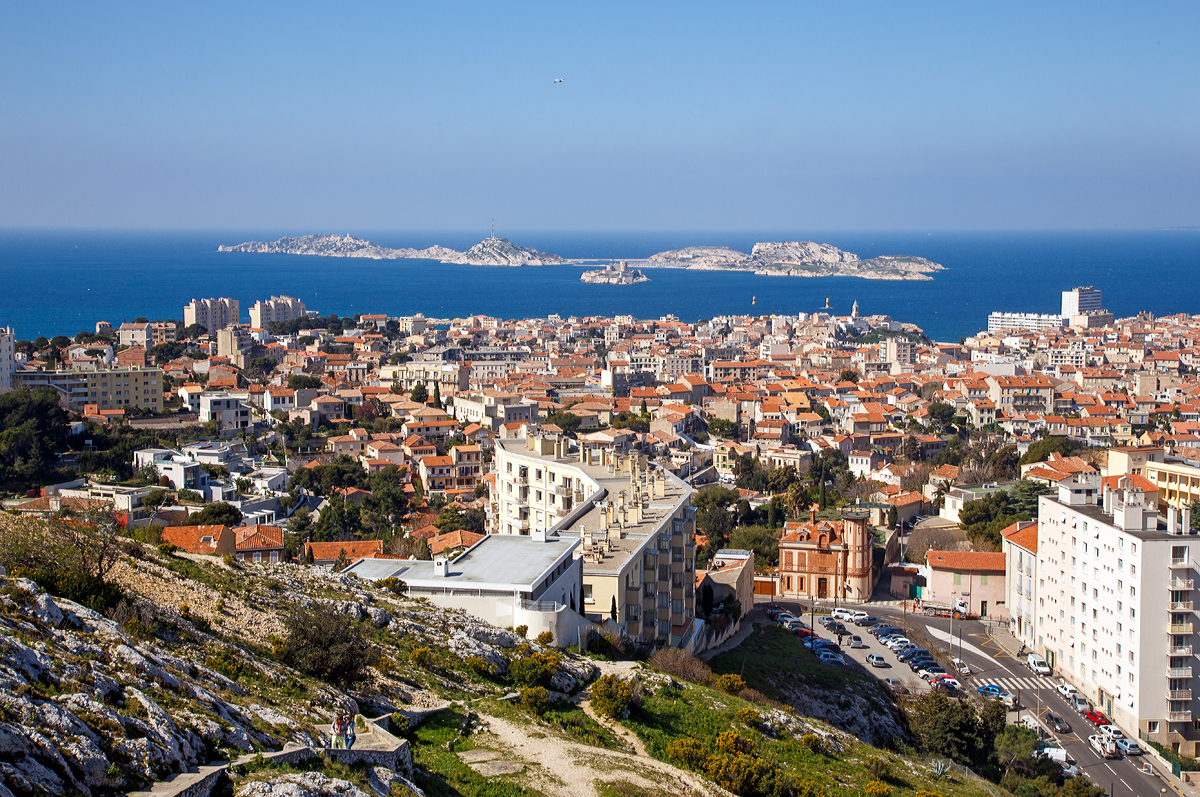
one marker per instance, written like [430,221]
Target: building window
[587,593]
[957,579]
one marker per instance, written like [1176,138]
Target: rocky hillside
[797,259]
[488,252]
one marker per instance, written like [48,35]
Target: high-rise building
[8,356]
[277,308]
[1115,612]
[212,314]
[899,350]
[1080,301]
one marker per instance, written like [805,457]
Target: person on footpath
[338,731]
[350,734]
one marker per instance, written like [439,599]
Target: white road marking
[944,636]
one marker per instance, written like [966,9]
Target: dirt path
[629,737]
[571,769]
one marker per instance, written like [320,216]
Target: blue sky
[695,115]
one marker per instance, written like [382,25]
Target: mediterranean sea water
[62,282]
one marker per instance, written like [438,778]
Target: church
[827,559]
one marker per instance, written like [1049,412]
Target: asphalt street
[991,663]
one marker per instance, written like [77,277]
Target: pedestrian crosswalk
[1013,684]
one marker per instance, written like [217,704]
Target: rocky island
[488,252]
[796,259]
[618,274]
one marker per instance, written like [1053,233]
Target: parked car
[931,670]
[1111,732]
[865,622]
[993,691]
[827,621]
[842,613]
[911,653]
[945,680]
[895,643]
[1037,664]
[837,628]
[895,685]
[918,664]
[1057,723]
[856,642]
[1104,747]
[1097,718]
[1069,770]
[804,632]
[961,666]
[875,660]
[1128,746]
[1029,721]
[1066,690]
[881,631]
[794,624]
[833,658]
[1080,703]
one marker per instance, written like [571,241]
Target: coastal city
[660,484]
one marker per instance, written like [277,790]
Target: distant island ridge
[783,259]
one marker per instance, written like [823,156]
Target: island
[491,251]
[772,259]
[619,274]
[796,259]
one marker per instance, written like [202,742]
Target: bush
[225,662]
[746,775]
[535,699]
[400,724]
[545,639]
[811,742]
[535,669]
[421,657]
[749,716]
[325,645]
[924,793]
[479,665]
[730,683]
[612,696]
[880,768]
[688,753]
[877,789]
[676,663]
[167,548]
[732,742]
[393,585]
[230,560]
[522,630]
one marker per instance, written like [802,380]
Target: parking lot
[990,663]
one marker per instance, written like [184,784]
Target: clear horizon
[672,117]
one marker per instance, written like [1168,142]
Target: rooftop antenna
[493,228]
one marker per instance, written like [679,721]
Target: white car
[961,666]
[896,642]
[1038,664]
[1066,690]
[841,614]
[1111,732]
[857,615]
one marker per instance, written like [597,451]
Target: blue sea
[62,282]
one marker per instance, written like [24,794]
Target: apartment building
[228,410]
[8,356]
[1021,395]
[493,409]
[1115,606]
[146,334]
[236,343]
[115,388]
[277,308]
[212,314]
[999,322]
[634,519]
[1080,301]
[899,350]
[451,378]
[1019,543]
[1178,482]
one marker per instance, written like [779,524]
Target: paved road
[991,663]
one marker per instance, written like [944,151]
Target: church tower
[854,310]
[859,542]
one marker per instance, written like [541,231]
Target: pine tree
[645,411]
[612,610]
[419,393]
[437,394]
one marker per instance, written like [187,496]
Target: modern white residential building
[8,358]
[997,322]
[1080,301]
[1115,596]
[212,314]
[1019,543]
[634,519]
[228,410]
[277,308]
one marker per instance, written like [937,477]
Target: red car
[803,633]
[1096,718]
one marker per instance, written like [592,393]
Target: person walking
[350,734]
[338,731]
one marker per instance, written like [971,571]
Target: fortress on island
[618,274]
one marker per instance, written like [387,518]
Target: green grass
[444,774]
[623,788]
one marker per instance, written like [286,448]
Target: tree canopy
[33,429]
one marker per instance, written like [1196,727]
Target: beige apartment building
[212,314]
[1021,394]
[1178,482]
[116,388]
[634,520]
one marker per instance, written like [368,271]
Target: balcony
[560,490]
[1179,628]
[1179,694]
[1180,606]
[1179,716]
[521,478]
[1183,563]
[1179,672]
[1179,583]
[1182,650]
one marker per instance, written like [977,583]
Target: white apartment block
[228,410]
[899,350]
[212,314]
[998,322]
[1080,301]
[277,308]
[634,520]
[1020,545]
[8,356]
[493,409]
[1115,607]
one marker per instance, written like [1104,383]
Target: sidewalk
[746,628]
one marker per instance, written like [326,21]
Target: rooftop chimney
[538,535]
[813,513]
[1185,526]
[1171,520]
[441,567]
